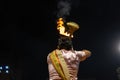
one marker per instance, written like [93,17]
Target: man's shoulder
[52,51]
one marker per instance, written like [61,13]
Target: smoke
[64,7]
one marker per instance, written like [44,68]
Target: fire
[61,27]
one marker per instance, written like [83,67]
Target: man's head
[65,43]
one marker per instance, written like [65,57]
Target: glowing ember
[61,27]
[68,29]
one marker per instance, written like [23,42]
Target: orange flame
[61,27]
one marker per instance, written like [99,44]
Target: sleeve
[81,55]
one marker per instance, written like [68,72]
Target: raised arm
[83,54]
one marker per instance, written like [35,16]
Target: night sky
[28,33]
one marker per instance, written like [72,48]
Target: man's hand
[87,52]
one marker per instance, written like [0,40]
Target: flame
[61,27]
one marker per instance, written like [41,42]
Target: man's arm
[87,52]
[83,54]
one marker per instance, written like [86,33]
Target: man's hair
[65,43]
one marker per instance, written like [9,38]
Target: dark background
[28,33]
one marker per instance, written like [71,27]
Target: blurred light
[119,47]
[0,71]
[6,71]
[1,68]
[6,67]
[118,70]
